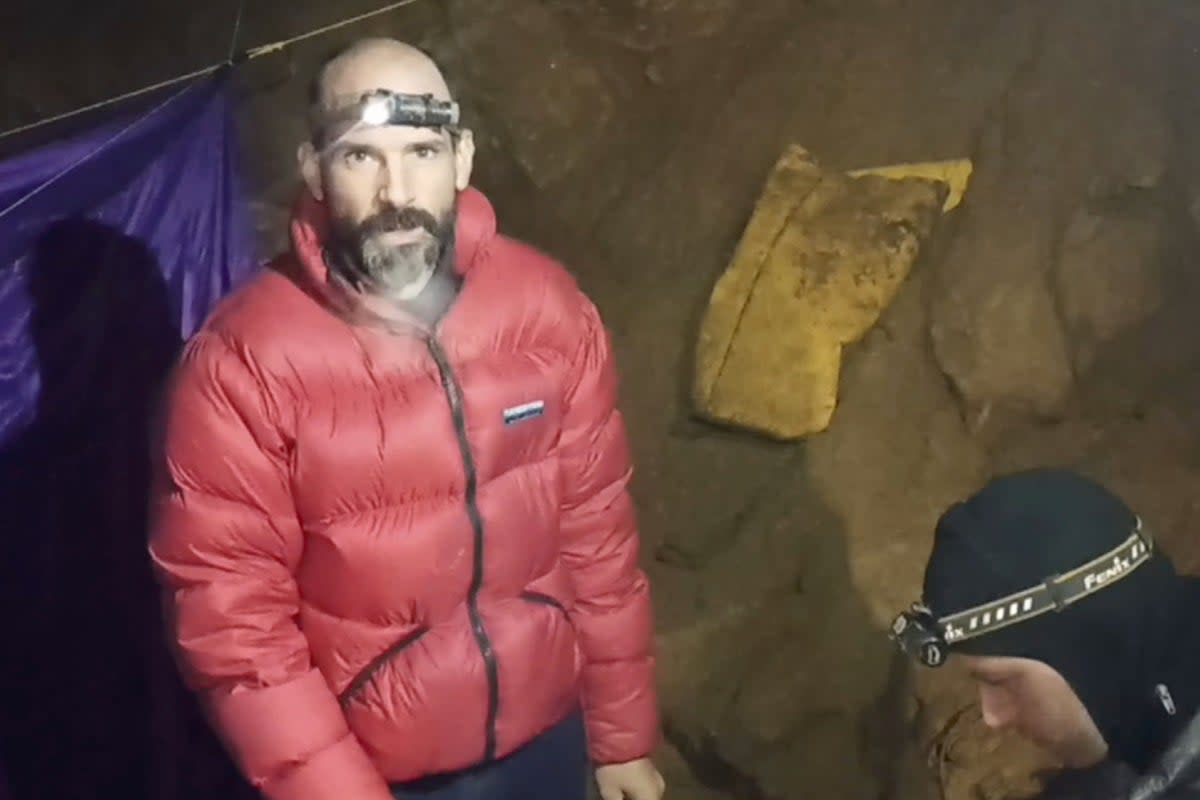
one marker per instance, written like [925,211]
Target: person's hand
[633,780]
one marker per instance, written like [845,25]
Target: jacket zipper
[454,396]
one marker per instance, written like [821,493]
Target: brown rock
[649,25]
[1107,278]
[552,104]
[995,326]
[766,691]
[701,666]
[1137,138]
[1148,458]
[995,329]
[705,527]
[682,781]
[896,455]
[781,687]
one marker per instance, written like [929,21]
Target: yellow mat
[955,173]
[823,254]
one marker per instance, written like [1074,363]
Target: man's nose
[394,186]
[995,706]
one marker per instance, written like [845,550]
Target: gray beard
[426,300]
[407,274]
[399,272]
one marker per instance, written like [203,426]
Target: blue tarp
[104,271]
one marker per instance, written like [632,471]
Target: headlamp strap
[1054,594]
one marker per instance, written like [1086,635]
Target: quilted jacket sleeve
[226,545]
[613,613]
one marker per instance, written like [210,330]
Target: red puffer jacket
[388,556]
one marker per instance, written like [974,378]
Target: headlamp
[382,107]
[918,635]
[929,640]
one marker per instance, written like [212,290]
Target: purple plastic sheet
[167,180]
[104,271]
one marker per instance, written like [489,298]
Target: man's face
[1035,701]
[391,194]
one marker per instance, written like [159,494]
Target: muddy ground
[1050,322]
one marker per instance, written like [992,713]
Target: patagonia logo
[526,411]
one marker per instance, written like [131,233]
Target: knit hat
[1110,646]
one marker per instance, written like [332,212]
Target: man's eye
[425,151]
[356,157]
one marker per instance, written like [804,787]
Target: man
[401,553]
[1078,633]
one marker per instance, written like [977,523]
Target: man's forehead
[345,84]
[388,137]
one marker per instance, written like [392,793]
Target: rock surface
[552,105]
[997,328]
[741,689]
[1107,278]
[649,25]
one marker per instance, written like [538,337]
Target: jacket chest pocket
[513,418]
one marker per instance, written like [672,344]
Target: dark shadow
[1107,779]
[802,732]
[75,585]
[84,670]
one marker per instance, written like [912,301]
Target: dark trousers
[554,766]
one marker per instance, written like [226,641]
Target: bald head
[389,187]
[370,64]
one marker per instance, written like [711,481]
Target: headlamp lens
[376,111]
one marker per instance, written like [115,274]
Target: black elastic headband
[928,639]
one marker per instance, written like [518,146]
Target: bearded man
[394,526]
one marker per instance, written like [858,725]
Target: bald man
[394,523]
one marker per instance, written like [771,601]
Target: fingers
[611,793]
[650,789]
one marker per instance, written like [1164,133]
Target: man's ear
[310,169]
[464,159]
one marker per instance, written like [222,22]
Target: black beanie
[1113,647]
